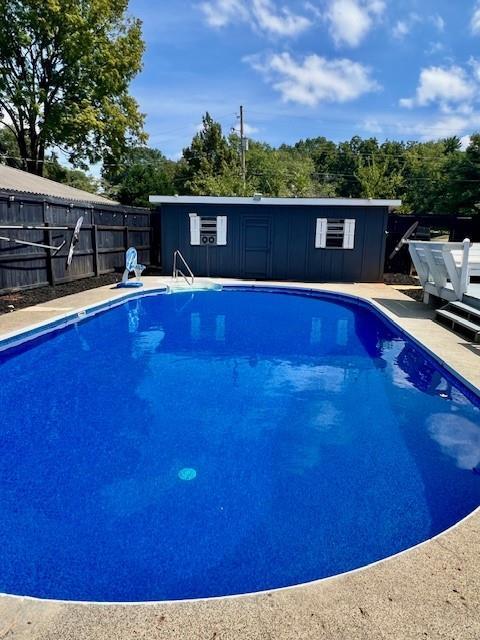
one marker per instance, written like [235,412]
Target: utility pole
[243,148]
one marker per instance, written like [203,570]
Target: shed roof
[260,200]
[18,181]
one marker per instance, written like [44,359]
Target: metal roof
[260,200]
[17,181]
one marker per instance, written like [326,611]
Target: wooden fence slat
[95,249]
[99,251]
[50,271]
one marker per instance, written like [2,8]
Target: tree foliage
[73,177]
[9,151]
[437,177]
[210,164]
[464,187]
[53,169]
[142,172]
[428,177]
[65,69]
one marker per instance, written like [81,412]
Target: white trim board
[302,202]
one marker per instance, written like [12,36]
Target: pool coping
[111,300]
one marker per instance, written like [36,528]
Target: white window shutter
[321,233]
[349,234]
[221,230]
[194,229]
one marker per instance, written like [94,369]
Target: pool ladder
[189,277]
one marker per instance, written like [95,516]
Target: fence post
[96,267]
[48,239]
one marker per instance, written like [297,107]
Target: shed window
[208,230]
[335,233]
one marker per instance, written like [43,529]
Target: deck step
[459,321]
[465,309]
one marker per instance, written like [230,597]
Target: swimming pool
[218,443]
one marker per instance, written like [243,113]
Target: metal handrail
[177,272]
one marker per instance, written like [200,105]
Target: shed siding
[277,242]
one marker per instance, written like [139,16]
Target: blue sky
[303,68]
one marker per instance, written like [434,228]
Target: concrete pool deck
[429,592]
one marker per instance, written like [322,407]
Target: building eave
[258,200]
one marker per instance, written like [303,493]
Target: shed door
[257,248]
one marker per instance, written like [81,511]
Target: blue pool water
[183,446]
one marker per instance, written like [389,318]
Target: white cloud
[351,20]
[371,125]
[221,12]
[450,125]
[438,22]
[434,48]
[309,6]
[401,29]
[249,129]
[264,15]
[442,85]
[465,142]
[407,103]
[442,126]
[315,79]
[404,26]
[453,96]
[376,7]
[475,21]
[280,22]
[474,63]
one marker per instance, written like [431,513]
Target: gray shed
[303,239]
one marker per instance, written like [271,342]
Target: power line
[325,174]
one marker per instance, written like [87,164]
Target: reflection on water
[134,316]
[220,328]
[458,437]
[195,327]
[316,331]
[422,373]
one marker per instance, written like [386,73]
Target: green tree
[464,185]
[73,177]
[9,151]
[323,153]
[10,155]
[65,69]
[428,173]
[280,172]
[210,165]
[376,180]
[350,155]
[143,172]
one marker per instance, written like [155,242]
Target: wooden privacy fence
[456,228]
[106,233]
